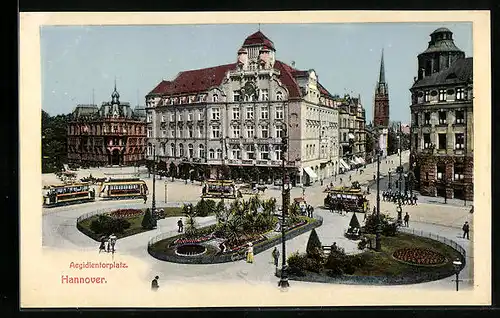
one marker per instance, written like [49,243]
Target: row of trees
[54,143]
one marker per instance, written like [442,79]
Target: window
[215,132]
[427,118]
[264,132]
[201,98]
[211,154]
[190,151]
[344,136]
[150,132]
[236,153]
[199,131]
[172,150]
[442,95]
[459,141]
[219,153]
[279,131]
[415,119]
[162,118]
[427,96]
[459,117]
[172,117]
[236,132]
[215,113]
[277,154]
[460,94]
[200,116]
[215,98]
[250,152]
[279,112]
[442,141]
[236,96]
[416,141]
[180,118]
[441,170]
[427,141]
[279,96]
[264,94]
[236,113]
[201,151]
[181,150]
[458,172]
[264,152]
[164,133]
[249,112]
[191,132]
[344,121]
[171,101]
[180,133]
[190,116]
[250,132]
[264,113]
[442,118]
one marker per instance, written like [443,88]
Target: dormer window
[215,98]
[442,95]
[279,96]
[460,93]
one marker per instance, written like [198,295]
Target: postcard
[242,159]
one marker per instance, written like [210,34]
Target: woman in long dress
[250,253]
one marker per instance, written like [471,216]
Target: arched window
[215,98]
[190,151]
[279,96]
[163,149]
[211,154]
[172,150]
[201,151]
[219,153]
[150,149]
[181,150]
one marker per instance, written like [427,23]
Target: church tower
[381,109]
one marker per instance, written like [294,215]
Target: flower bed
[419,256]
[192,240]
[126,213]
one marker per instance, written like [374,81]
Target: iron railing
[435,237]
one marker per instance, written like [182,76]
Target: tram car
[123,189]
[63,194]
[353,199]
[219,189]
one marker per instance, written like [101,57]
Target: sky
[80,63]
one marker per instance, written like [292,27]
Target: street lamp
[390,185]
[378,229]
[399,208]
[153,203]
[457,264]
[285,192]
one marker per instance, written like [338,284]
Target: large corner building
[442,143]
[235,115]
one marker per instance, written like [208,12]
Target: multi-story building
[112,134]
[442,128]
[236,114]
[352,132]
[381,110]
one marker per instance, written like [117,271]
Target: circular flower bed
[419,256]
[190,250]
[126,213]
[193,240]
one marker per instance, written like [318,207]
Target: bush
[107,225]
[147,220]
[388,229]
[297,263]
[314,247]
[338,263]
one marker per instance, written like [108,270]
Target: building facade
[235,115]
[442,127]
[381,110]
[112,134]
[352,133]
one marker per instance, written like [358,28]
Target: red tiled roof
[287,79]
[160,88]
[323,90]
[259,38]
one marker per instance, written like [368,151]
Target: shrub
[147,220]
[314,247]
[108,225]
[388,229]
[297,263]
[202,208]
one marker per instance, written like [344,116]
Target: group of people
[394,196]
[343,205]
[108,243]
[307,209]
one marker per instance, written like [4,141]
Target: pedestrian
[154,283]
[321,182]
[465,228]
[311,210]
[350,177]
[109,245]
[276,256]
[102,247]
[374,177]
[145,199]
[180,226]
[415,199]
[340,180]
[374,210]
[407,219]
[112,238]
[250,253]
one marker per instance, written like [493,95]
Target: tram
[219,189]
[353,199]
[68,194]
[123,189]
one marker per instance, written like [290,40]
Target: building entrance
[115,158]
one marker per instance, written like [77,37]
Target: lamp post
[153,203]
[399,208]
[457,264]
[390,185]
[378,229]
[285,192]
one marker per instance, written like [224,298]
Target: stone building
[442,126]
[112,134]
[381,110]
[352,133]
[235,114]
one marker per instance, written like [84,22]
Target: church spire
[381,78]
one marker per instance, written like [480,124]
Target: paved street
[60,232]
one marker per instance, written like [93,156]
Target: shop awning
[351,136]
[310,172]
[344,164]
[361,160]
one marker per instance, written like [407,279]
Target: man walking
[465,228]
[276,257]
[407,219]
[180,226]
[154,283]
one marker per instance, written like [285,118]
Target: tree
[54,142]
[314,246]
[147,220]
[354,223]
